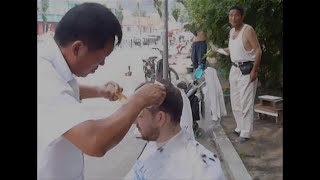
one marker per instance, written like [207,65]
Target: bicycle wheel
[148,78]
[173,75]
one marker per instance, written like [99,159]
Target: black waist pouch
[246,67]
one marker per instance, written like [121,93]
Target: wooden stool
[270,105]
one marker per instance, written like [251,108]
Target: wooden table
[270,105]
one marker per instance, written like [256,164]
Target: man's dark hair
[91,23]
[239,8]
[172,103]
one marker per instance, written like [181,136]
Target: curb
[233,163]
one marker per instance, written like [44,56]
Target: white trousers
[242,94]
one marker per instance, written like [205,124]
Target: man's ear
[162,118]
[77,48]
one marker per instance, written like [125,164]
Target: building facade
[57,9]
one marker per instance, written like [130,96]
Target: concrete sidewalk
[233,163]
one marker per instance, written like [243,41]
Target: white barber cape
[186,121]
[179,158]
[213,95]
[59,110]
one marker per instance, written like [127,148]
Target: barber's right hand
[151,94]
[110,91]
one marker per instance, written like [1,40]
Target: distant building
[130,24]
[135,24]
[54,13]
[57,9]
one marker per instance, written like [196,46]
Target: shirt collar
[56,58]
[175,142]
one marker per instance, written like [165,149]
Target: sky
[146,5]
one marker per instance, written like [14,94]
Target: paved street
[117,162]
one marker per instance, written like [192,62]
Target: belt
[240,63]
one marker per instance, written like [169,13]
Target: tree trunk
[44,27]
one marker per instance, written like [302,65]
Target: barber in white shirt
[84,37]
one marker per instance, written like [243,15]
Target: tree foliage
[142,13]
[44,7]
[139,12]
[158,5]
[265,16]
[119,14]
[183,17]
[176,12]
[180,1]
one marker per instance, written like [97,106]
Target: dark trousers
[198,50]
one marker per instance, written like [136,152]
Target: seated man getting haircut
[171,153]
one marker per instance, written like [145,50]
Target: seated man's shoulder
[206,156]
[205,163]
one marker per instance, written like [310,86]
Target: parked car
[148,40]
[156,36]
[137,42]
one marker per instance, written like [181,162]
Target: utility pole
[139,12]
[165,40]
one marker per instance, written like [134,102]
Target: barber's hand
[151,94]
[253,75]
[109,90]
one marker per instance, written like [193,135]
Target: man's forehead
[234,11]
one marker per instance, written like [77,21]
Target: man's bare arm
[89,92]
[100,91]
[253,40]
[227,50]
[96,137]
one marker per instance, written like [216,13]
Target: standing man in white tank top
[244,49]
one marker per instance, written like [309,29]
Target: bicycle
[196,98]
[153,70]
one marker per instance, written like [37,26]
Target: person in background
[245,53]
[199,49]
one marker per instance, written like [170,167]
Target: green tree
[176,12]
[158,4]
[44,7]
[180,1]
[266,17]
[119,14]
[142,13]
[183,16]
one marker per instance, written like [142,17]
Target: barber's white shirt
[59,110]
[179,158]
